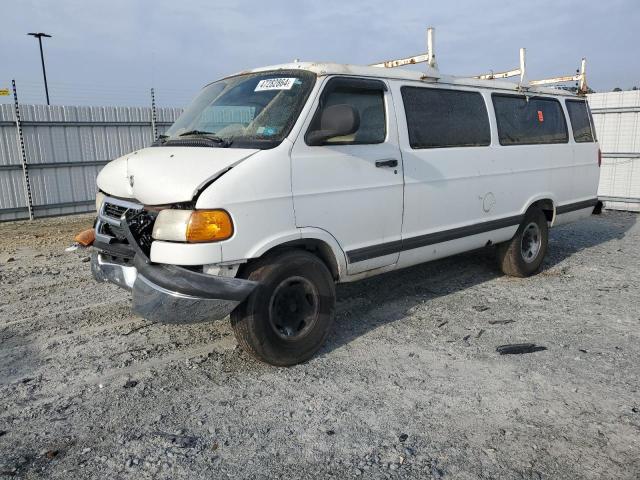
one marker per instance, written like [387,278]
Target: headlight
[99,199]
[172,225]
[193,226]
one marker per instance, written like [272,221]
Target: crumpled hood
[160,175]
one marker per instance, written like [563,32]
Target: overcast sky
[112,52]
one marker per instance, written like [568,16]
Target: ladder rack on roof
[429,57]
[520,71]
[524,84]
[580,76]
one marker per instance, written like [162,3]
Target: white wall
[617,120]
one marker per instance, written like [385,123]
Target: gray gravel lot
[409,385]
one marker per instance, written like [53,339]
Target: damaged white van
[277,183]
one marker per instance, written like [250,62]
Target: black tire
[288,317]
[519,257]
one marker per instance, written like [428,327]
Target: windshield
[247,111]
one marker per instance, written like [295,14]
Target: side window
[527,121]
[367,98]
[439,118]
[580,124]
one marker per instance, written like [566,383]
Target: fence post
[154,119]
[23,152]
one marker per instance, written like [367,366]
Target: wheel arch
[547,204]
[316,241]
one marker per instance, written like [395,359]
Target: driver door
[352,186]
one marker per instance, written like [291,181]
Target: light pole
[44,72]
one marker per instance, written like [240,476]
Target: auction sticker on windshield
[275,84]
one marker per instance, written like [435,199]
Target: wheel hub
[531,242]
[294,307]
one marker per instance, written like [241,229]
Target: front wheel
[523,255]
[288,316]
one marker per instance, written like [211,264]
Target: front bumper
[187,297]
[169,293]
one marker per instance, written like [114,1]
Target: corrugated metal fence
[617,120]
[65,148]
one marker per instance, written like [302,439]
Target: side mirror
[335,121]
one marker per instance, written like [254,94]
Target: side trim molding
[411,243]
[388,248]
[572,207]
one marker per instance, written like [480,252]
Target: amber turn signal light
[209,226]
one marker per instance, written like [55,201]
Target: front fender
[303,233]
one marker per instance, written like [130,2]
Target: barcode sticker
[275,84]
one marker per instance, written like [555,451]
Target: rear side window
[367,97]
[580,124]
[445,118]
[527,121]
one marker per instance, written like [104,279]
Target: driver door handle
[387,163]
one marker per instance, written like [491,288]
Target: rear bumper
[171,294]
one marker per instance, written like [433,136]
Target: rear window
[580,123]
[445,118]
[527,121]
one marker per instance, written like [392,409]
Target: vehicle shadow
[358,303]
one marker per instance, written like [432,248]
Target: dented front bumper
[161,292]
[171,294]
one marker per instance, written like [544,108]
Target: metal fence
[50,155]
[617,120]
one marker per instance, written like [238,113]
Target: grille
[108,226]
[114,211]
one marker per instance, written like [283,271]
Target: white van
[276,183]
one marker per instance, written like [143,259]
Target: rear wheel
[524,253]
[288,317]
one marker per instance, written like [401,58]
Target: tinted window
[532,120]
[367,97]
[580,124]
[445,118]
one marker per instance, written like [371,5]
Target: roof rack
[429,58]
[580,76]
[520,71]
[524,84]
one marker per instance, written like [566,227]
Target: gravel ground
[408,386]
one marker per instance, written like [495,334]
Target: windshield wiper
[208,135]
[202,133]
